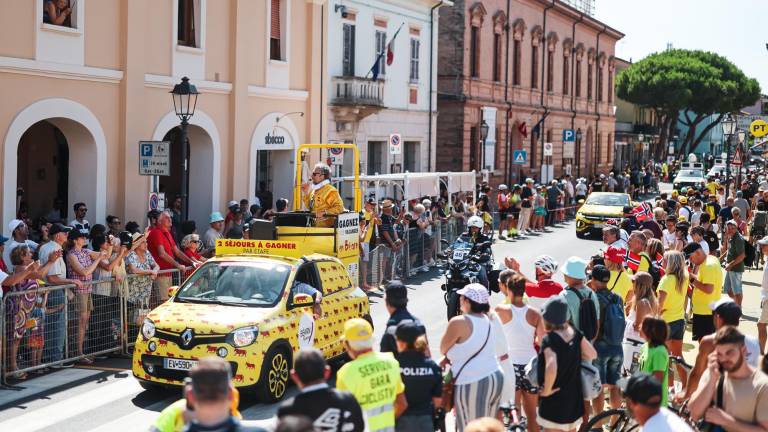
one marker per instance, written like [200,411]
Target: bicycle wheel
[622,423]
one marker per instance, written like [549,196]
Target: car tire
[582,234]
[151,387]
[275,371]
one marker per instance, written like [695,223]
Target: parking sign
[154,158]
[569,135]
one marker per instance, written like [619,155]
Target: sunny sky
[735,29]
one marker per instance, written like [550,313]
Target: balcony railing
[357,91]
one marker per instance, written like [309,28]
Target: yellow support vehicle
[251,304]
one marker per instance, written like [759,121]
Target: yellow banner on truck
[257,247]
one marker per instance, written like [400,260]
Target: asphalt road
[106,397]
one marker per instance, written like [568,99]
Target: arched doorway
[204,174]
[55,148]
[273,157]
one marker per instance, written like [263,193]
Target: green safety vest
[374,379]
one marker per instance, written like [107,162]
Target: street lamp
[184,103]
[729,126]
[483,135]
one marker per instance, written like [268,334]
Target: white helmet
[546,264]
[475,221]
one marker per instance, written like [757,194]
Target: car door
[308,274]
[338,307]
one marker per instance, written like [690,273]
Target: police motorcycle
[466,262]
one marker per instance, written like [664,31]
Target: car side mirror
[302,300]
[172,291]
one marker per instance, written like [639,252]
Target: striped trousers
[478,399]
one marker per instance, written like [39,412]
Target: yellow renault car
[599,210]
[249,305]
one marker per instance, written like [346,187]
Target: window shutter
[275,20]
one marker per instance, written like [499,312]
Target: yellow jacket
[325,199]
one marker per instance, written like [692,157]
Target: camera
[126,239]
[342,9]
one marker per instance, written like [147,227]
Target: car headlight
[243,336]
[148,329]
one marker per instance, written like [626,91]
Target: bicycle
[620,419]
[512,420]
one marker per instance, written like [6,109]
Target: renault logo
[186,337]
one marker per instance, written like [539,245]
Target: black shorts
[503,213]
[676,330]
[515,212]
[702,325]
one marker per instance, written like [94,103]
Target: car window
[308,274]
[248,283]
[608,200]
[691,173]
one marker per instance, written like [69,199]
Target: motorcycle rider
[475,236]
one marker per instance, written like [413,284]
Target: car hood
[206,318]
[601,210]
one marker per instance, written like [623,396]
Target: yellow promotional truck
[249,304]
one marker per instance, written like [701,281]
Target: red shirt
[161,237]
[543,289]
[192,253]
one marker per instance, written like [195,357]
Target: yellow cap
[683,200]
[682,219]
[674,192]
[357,329]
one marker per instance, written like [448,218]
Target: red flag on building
[523,129]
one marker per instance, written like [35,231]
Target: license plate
[178,364]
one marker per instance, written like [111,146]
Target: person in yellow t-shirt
[320,197]
[712,186]
[620,282]
[707,280]
[368,224]
[673,289]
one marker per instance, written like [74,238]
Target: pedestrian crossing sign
[519,157]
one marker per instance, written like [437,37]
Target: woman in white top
[523,328]
[642,303]
[469,345]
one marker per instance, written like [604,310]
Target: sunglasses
[81,209]
[316,173]
[115,223]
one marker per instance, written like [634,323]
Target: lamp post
[729,126]
[742,136]
[578,152]
[483,136]
[184,103]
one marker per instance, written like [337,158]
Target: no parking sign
[395,144]
[336,155]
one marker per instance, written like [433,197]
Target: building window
[61,16]
[474,52]
[518,59]
[474,149]
[188,20]
[411,156]
[376,157]
[414,96]
[276,31]
[589,81]
[550,71]
[600,83]
[381,50]
[415,48]
[348,50]
[497,57]
[578,78]
[566,64]
[534,67]
[610,87]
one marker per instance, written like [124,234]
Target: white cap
[14,224]
[475,292]
[427,202]
[233,203]
[502,187]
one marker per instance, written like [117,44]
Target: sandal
[86,360]
[18,375]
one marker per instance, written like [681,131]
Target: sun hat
[475,292]
[387,204]
[215,217]
[14,224]
[357,329]
[575,267]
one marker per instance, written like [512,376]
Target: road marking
[54,413]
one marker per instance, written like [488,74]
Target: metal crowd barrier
[48,326]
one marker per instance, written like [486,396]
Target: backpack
[749,254]
[653,269]
[712,241]
[690,212]
[587,316]
[611,317]
[760,220]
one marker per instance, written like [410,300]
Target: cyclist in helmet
[474,234]
[543,287]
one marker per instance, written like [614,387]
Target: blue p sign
[569,135]
[146,150]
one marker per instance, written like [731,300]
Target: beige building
[81,89]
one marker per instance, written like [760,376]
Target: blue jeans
[732,282]
[55,334]
[609,362]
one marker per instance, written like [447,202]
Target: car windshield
[608,200]
[257,284]
[691,173]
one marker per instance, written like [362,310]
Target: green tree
[696,83]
